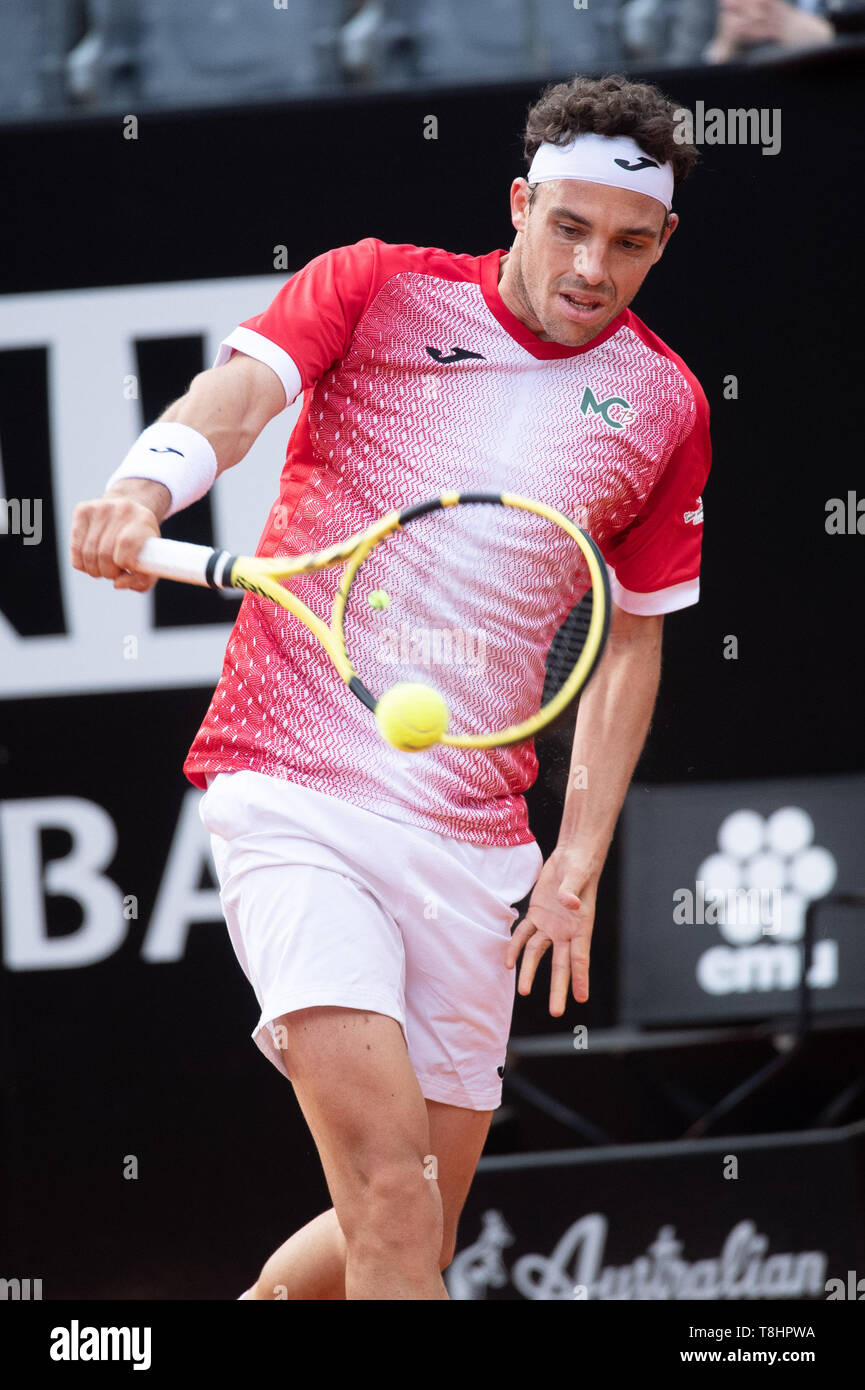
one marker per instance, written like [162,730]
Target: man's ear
[519,204]
[670,227]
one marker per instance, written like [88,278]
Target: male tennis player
[422,370]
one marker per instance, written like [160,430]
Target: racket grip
[177,560]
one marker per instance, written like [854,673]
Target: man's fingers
[76,535]
[96,557]
[562,918]
[535,949]
[128,543]
[522,933]
[139,582]
[569,899]
[560,978]
[106,537]
[569,968]
[579,969]
[91,545]
[83,547]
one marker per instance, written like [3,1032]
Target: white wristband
[175,455]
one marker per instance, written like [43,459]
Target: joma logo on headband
[642,163]
[602,408]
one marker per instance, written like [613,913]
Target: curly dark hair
[610,105]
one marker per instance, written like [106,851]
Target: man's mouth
[582,307]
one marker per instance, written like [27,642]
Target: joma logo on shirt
[602,408]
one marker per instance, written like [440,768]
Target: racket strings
[567,646]
[482,602]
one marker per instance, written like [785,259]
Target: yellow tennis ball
[379,599]
[411,716]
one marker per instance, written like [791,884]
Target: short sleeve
[654,564]
[308,325]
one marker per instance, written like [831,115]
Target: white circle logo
[771,854]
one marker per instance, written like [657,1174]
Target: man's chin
[573,335]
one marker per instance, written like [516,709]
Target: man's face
[582,253]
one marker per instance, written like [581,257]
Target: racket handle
[192,564]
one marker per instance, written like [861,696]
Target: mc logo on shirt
[602,408]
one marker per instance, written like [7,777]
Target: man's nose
[590,262]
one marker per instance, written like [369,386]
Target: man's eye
[569,231]
[632,245]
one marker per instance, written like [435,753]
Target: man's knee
[393,1205]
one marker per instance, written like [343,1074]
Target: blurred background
[699,1125]
[59,56]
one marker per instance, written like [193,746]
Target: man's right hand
[108,533]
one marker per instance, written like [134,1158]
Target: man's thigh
[359,1095]
[362,1101]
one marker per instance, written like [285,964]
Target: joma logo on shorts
[602,408]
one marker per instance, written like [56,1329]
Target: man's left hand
[560,914]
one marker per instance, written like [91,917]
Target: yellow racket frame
[261,576]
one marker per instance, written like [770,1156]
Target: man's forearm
[219,405]
[613,720]
[227,406]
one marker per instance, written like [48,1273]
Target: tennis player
[369,894]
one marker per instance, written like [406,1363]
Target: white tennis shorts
[327,903]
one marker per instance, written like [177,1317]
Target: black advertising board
[736,1219]
[716,880]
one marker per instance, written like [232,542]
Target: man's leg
[362,1102]
[312,1263]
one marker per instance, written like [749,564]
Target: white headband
[616,160]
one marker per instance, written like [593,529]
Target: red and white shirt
[615,433]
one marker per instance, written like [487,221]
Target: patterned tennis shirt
[416,378]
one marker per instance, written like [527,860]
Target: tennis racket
[499,603]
